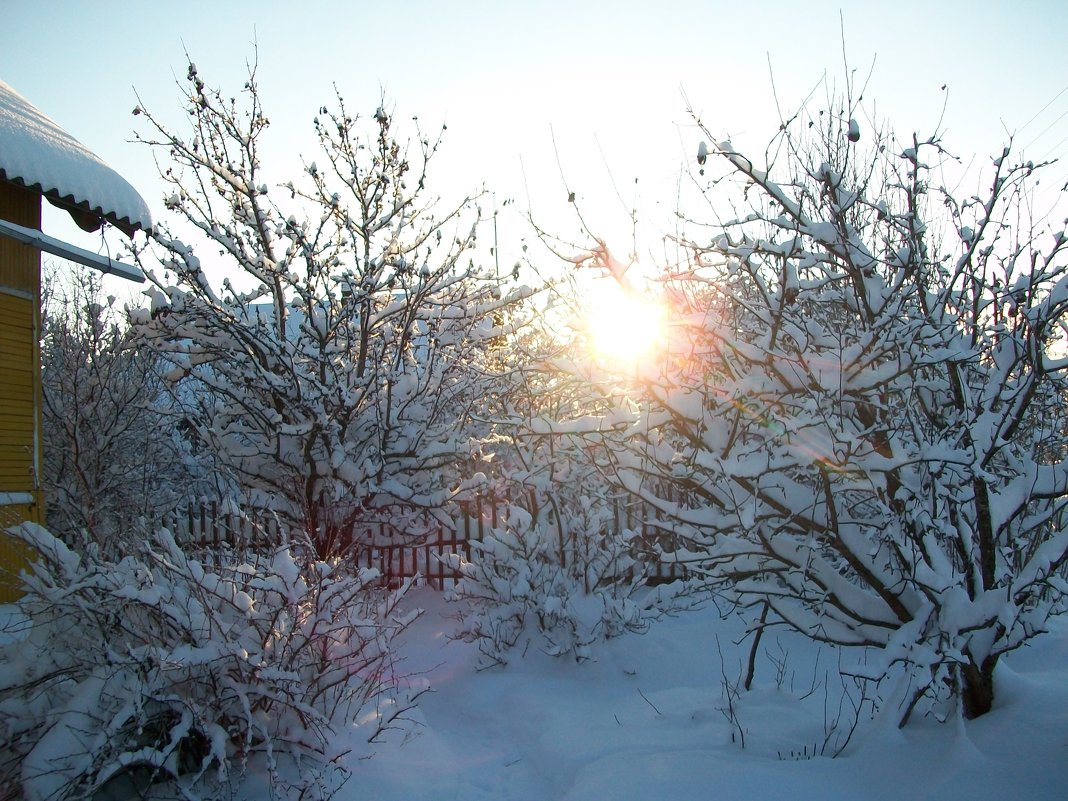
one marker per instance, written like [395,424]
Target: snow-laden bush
[155,667]
[110,456]
[564,587]
[862,400]
[334,375]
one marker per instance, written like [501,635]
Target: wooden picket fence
[212,529]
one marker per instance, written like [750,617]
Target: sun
[624,327]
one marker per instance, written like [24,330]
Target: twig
[659,714]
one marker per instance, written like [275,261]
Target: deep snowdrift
[643,720]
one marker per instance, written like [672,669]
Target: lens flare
[624,327]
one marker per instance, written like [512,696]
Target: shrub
[568,587]
[155,667]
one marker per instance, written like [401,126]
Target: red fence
[425,560]
[398,555]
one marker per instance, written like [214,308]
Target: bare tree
[563,564]
[110,459]
[864,401]
[334,373]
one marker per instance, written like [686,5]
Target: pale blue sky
[604,76]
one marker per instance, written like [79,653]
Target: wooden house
[38,159]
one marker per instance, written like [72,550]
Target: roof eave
[87,217]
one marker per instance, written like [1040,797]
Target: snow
[643,720]
[14,625]
[36,152]
[646,717]
[702,153]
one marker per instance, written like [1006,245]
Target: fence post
[190,531]
[427,563]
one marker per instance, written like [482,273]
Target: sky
[591,96]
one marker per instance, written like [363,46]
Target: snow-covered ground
[644,721]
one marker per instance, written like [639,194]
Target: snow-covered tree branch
[865,402]
[109,460]
[155,667]
[333,366]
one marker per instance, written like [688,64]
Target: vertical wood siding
[20,378]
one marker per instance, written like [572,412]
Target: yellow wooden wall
[20,379]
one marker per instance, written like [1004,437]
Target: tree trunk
[751,668]
[977,694]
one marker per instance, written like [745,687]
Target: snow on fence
[212,528]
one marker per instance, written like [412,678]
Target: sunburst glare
[624,327]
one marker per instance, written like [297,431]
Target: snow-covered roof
[35,152]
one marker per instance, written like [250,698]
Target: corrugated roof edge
[88,217]
[35,152]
